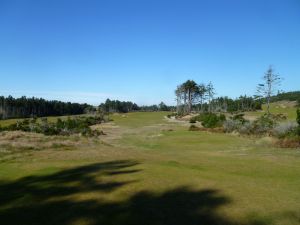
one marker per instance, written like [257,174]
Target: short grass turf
[155,173]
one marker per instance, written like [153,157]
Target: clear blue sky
[86,51]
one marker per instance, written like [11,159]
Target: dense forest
[37,107]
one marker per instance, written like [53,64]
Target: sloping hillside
[287,108]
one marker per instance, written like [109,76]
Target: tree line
[37,107]
[191,96]
[111,106]
[288,96]
[116,106]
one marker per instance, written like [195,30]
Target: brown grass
[289,142]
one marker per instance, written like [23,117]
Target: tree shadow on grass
[47,200]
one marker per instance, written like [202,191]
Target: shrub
[290,142]
[239,117]
[174,114]
[209,120]
[212,120]
[231,125]
[194,128]
[222,117]
[298,117]
[79,125]
[263,124]
[298,130]
[285,129]
[193,120]
[245,128]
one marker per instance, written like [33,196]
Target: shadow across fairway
[49,200]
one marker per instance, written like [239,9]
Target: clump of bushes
[77,125]
[209,120]
[231,125]
[285,129]
[238,123]
[193,120]
[239,117]
[264,124]
[298,121]
[213,120]
[194,128]
[289,133]
[174,114]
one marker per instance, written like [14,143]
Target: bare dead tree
[268,88]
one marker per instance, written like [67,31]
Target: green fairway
[148,170]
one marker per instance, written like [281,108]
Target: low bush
[285,129]
[289,142]
[298,117]
[209,120]
[263,124]
[174,114]
[245,128]
[77,125]
[212,120]
[193,120]
[239,117]
[194,128]
[231,125]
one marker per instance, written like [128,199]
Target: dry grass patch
[13,143]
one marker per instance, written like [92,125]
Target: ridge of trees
[111,106]
[118,106]
[191,96]
[37,107]
[287,96]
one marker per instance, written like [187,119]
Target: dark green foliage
[222,117]
[239,117]
[288,96]
[298,121]
[163,107]
[194,128]
[37,107]
[209,120]
[226,104]
[118,106]
[193,120]
[263,124]
[77,125]
[298,116]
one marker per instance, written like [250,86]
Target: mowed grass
[156,173]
